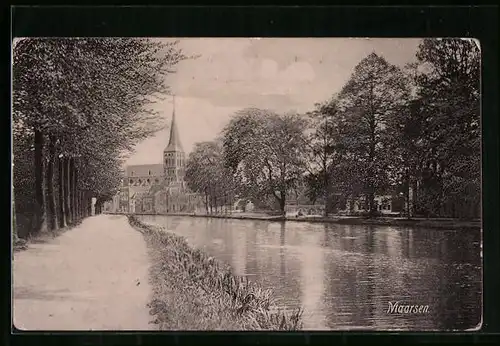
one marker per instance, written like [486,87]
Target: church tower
[173,155]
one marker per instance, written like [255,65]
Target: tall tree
[449,89]
[266,152]
[325,153]
[88,99]
[207,175]
[373,95]
[407,150]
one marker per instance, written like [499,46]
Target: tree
[370,98]
[406,147]
[85,100]
[449,90]
[325,153]
[207,175]
[266,152]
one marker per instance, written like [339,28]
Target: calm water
[344,276]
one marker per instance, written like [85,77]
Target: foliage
[372,96]
[90,98]
[390,130]
[449,91]
[327,165]
[265,152]
[207,174]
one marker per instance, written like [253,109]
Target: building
[297,202]
[159,187]
[390,204]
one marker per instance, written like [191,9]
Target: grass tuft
[194,291]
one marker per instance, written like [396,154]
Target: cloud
[282,74]
[298,72]
[259,83]
[268,69]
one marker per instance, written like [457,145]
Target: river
[344,276]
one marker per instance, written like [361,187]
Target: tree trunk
[282,202]
[72,188]
[40,212]
[74,192]
[87,204]
[84,214]
[15,238]
[211,199]
[61,202]
[51,200]
[67,192]
[326,183]
[80,204]
[371,202]
[206,201]
[226,203]
[371,157]
[414,197]
[407,196]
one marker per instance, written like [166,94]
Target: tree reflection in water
[345,275]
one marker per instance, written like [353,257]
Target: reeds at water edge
[226,301]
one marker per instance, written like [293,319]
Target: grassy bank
[379,221]
[193,291]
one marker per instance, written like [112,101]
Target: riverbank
[442,224]
[193,291]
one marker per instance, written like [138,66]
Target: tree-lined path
[94,276]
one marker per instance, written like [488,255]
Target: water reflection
[312,281]
[344,276]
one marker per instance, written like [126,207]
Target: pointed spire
[174,143]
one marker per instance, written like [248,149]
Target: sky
[281,74]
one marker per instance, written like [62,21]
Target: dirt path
[93,277]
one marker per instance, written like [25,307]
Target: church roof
[153,170]
[174,142]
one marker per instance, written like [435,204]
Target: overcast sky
[282,74]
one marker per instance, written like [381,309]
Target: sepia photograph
[246,184]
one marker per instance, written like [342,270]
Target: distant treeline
[412,131]
[78,106]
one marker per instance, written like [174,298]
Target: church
[158,188]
